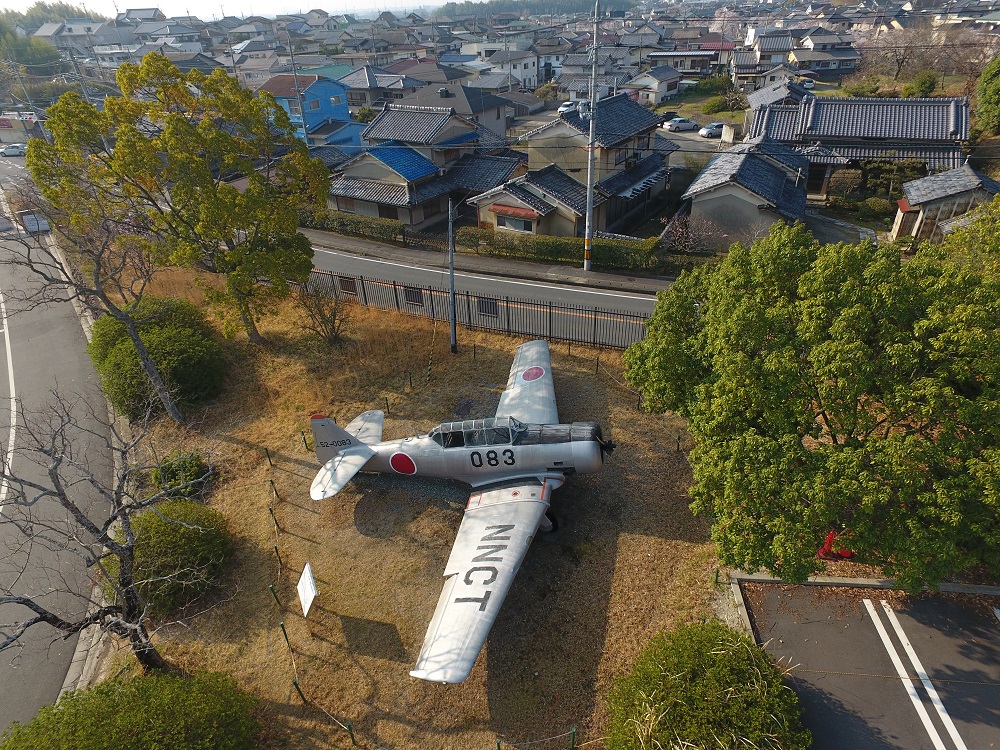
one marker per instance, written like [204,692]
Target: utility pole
[298,92]
[591,114]
[451,279]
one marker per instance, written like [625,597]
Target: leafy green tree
[205,710]
[365,114]
[705,686]
[988,97]
[214,174]
[836,388]
[922,86]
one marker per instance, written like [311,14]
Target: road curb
[736,578]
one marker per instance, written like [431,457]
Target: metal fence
[595,326]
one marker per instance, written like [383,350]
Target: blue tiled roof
[459,139]
[410,164]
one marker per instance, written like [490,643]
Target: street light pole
[451,280]
[591,114]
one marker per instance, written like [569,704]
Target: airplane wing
[339,470]
[498,526]
[530,395]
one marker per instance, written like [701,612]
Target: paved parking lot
[877,670]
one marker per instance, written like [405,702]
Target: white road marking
[641,297]
[911,689]
[924,678]
[13,400]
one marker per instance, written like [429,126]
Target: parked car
[32,222]
[806,83]
[14,149]
[569,106]
[681,123]
[666,117]
[712,130]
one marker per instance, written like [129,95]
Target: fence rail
[595,326]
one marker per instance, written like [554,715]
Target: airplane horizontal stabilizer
[339,470]
[367,426]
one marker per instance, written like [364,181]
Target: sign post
[307,589]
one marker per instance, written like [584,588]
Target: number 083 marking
[492,458]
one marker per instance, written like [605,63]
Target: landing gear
[548,523]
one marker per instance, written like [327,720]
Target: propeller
[607,446]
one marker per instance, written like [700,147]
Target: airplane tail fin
[343,451]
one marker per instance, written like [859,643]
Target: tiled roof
[513,55]
[541,205]
[554,183]
[781,42]
[630,182]
[477,173]
[331,156]
[409,164]
[282,86]
[618,119]
[776,93]
[663,73]
[945,184]
[370,190]
[464,100]
[817,154]
[410,125]
[663,145]
[494,81]
[574,81]
[820,118]
[752,166]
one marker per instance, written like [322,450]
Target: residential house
[138,15]
[429,71]
[692,62]
[746,188]
[764,60]
[931,201]
[318,109]
[369,86]
[418,158]
[254,68]
[550,53]
[76,38]
[574,81]
[827,53]
[631,165]
[477,105]
[522,64]
[655,86]
[836,131]
[494,83]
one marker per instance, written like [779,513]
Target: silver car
[712,130]
[14,149]
[681,123]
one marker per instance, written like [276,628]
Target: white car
[569,106]
[712,130]
[806,83]
[14,149]
[681,123]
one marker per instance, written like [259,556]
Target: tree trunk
[149,367]
[145,652]
[249,324]
[133,611]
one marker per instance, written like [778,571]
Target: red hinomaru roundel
[532,373]
[402,464]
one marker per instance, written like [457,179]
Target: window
[335,100]
[526,66]
[388,212]
[314,104]
[643,142]
[509,222]
[621,154]
[294,109]
[345,204]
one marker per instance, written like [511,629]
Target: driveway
[879,670]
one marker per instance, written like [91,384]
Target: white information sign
[307,589]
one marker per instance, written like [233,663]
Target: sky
[241,8]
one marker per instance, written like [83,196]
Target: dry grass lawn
[627,561]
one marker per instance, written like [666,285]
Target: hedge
[383,230]
[706,686]
[151,312]
[182,475]
[181,549]
[155,712]
[607,253]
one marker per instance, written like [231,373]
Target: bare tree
[325,313]
[898,49]
[109,264]
[60,499]
[967,52]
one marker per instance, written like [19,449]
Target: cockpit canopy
[475,432]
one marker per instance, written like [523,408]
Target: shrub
[383,230]
[151,312]
[365,114]
[152,711]
[867,86]
[713,85]
[876,208]
[923,85]
[709,686]
[182,475]
[190,364]
[608,253]
[181,549]
[713,105]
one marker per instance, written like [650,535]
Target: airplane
[513,461]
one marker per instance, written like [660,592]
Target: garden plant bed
[627,560]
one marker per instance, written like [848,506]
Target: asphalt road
[41,350]
[876,672]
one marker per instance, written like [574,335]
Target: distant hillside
[534,7]
[39,13]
